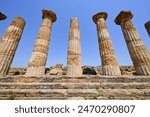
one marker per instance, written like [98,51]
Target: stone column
[109,61]
[147,26]
[2,16]
[74,67]
[9,44]
[138,52]
[37,62]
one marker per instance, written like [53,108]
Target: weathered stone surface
[59,66]
[37,62]
[109,61]
[123,17]
[74,85]
[85,87]
[87,70]
[17,71]
[66,79]
[147,26]
[138,52]
[9,44]
[2,16]
[56,71]
[127,70]
[76,98]
[74,67]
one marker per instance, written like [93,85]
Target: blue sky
[30,10]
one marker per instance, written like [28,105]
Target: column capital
[49,14]
[123,16]
[97,16]
[2,16]
[147,24]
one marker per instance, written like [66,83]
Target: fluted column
[147,26]
[2,16]
[138,52]
[74,67]
[37,62]
[109,61]
[9,44]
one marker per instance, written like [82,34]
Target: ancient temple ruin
[36,66]
[110,81]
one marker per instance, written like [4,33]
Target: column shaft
[108,58]
[138,52]
[37,62]
[2,17]
[74,67]
[9,44]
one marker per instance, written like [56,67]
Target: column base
[1,75]
[143,70]
[74,70]
[35,71]
[110,70]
